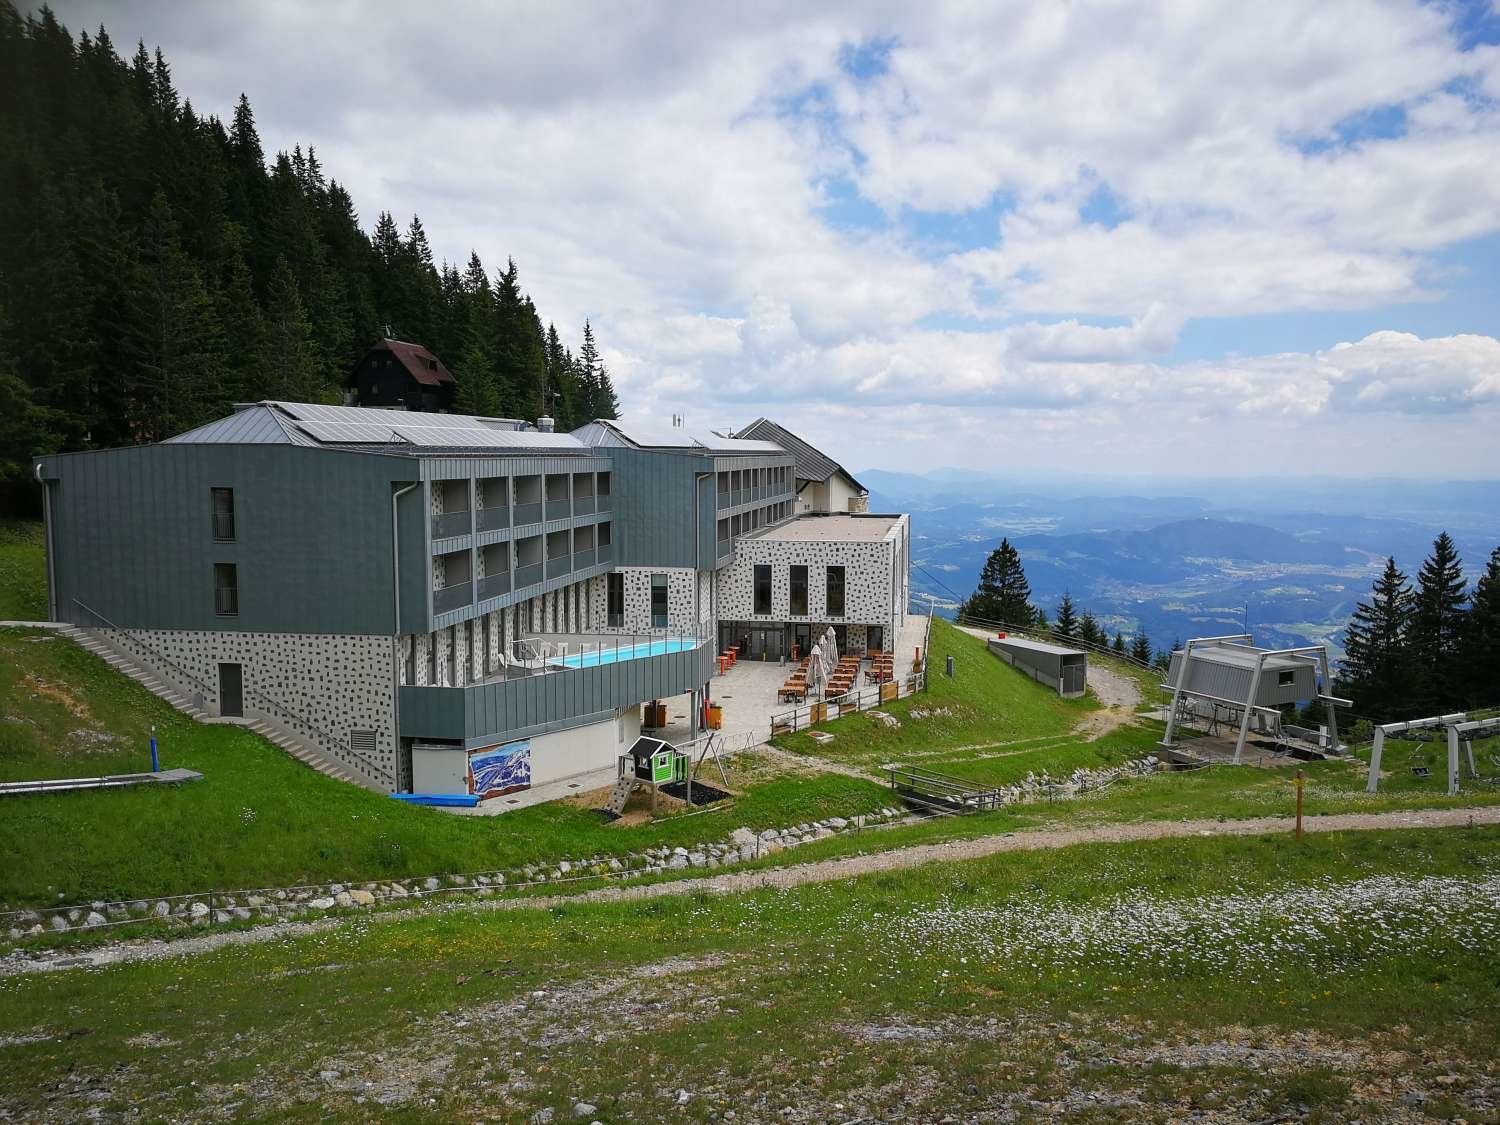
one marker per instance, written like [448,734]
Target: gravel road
[820,871]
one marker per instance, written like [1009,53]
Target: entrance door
[875,638]
[802,638]
[231,690]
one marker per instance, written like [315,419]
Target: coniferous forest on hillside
[156,267]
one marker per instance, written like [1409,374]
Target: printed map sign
[494,770]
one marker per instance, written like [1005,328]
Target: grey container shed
[1223,673]
[1065,670]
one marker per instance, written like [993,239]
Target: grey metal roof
[357,428]
[811,463]
[1036,646]
[612,432]
[1243,656]
[253,425]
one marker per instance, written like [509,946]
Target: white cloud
[662,170]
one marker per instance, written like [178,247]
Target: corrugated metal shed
[1061,668]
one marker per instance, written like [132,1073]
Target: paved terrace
[747,693]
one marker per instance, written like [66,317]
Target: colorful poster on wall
[495,770]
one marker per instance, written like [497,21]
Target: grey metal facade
[1063,669]
[130,538]
[1225,675]
[536,704]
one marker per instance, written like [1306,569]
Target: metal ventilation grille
[362,742]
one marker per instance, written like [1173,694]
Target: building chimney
[545,424]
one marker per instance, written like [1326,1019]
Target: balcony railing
[528,513]
[493,585]
[558,509]
[583,559]
[456,596]
[451,523]
[604,502]
[494,519]
[583,505]
[603,552]
[528,575]
[556,568]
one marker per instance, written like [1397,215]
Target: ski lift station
[1064,670]
[1228,679]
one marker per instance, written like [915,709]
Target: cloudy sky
[1219,238]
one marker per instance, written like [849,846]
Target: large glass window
[659,613]
[223,506]
[835,591]
[762,588]
[226,590]
[799,592]
[614,596]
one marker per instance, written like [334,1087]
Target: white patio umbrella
[831,650]
[816,674]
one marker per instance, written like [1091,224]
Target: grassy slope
[260,818]
[790,973]
[23,572]
[989,723]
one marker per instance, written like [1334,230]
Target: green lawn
[261,818]
[1247,978]
[985,703]
[23,572]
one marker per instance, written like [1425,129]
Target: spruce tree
[1479,641]
[1003,594]
[1119,643]
[289,370]
[1376,669]
[1140,647]
[1067,618]
[1437,620]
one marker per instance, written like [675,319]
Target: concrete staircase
[128,665]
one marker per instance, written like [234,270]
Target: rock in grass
[362,898]
[584,1109]
[321,904]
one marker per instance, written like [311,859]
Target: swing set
[1461,733]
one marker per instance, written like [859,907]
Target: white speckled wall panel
[681,585]
[320,686]
[869,593]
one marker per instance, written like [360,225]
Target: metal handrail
[152,649]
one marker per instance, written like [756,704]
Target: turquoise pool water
[623,652]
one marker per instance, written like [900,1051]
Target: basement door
[231,690]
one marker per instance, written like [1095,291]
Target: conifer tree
[1376,669]
[1088,629]
[1140,647]
[1067,618]
[1479,641]
[1003,594]
[1119,643]
[289,369]
[1437,619]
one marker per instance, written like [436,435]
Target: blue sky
[990,236]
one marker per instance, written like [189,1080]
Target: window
[762,589]
[835,591]
[614,594]
[226,590]
[223,507]
[1286,679]
[659,601]
[799,592]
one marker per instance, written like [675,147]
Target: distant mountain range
[1291,557]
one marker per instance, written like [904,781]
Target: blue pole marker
[155,768]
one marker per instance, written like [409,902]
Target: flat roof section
[1037,646]
[836,528]
[1245,657]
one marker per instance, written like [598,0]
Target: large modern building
[411,595]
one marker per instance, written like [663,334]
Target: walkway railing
[860,699]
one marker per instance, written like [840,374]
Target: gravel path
[820,871]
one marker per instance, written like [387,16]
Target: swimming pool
[614,654]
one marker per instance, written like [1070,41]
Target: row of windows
[833,590]
[732,527]
[778,477]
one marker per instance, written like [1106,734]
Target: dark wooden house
[400,376]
